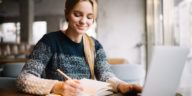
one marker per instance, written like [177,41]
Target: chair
[130,73]
[10,73]
[1,70]
[20,56]
[12,69]
[7,82]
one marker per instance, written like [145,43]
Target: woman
[66,50]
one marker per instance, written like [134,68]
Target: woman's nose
[83,20]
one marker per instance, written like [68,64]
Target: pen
[67,77]
[63,74]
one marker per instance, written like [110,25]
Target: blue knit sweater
[55,50]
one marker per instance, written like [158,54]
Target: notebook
[92,88]
[165,71]
[95,88]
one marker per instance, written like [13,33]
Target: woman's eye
[90,17]
[77,15]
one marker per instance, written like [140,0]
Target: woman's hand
[68,88]
[129,88]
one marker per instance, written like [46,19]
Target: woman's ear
[65,14]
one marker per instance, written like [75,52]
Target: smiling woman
[74,53]
[79,18]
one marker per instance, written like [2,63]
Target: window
[39,29]
[10,31]
[175,30]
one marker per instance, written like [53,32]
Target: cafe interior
[127,30]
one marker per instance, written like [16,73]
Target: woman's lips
[82,27]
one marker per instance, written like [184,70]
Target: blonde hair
[70,4]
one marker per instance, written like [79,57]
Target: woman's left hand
[129,88]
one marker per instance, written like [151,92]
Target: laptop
[165,70]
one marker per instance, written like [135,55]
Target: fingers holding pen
[70,87]
[74,83]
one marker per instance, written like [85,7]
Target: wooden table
[12,92]
[2,61]
[116,61]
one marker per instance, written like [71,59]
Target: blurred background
[127,29]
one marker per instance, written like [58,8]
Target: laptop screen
[165,71]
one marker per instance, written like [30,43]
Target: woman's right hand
[70,87]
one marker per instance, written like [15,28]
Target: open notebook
[93,88]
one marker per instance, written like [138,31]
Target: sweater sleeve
[29,80]
[103,71]
[102,68]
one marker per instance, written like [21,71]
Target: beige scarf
[89,49]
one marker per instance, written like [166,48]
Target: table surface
[2,61]
[12,92]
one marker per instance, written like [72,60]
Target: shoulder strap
[89,49]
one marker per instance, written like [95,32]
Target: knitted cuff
[114,82]
[36,85]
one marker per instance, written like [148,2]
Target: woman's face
[81,17]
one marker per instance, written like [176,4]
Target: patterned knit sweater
[55,50]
